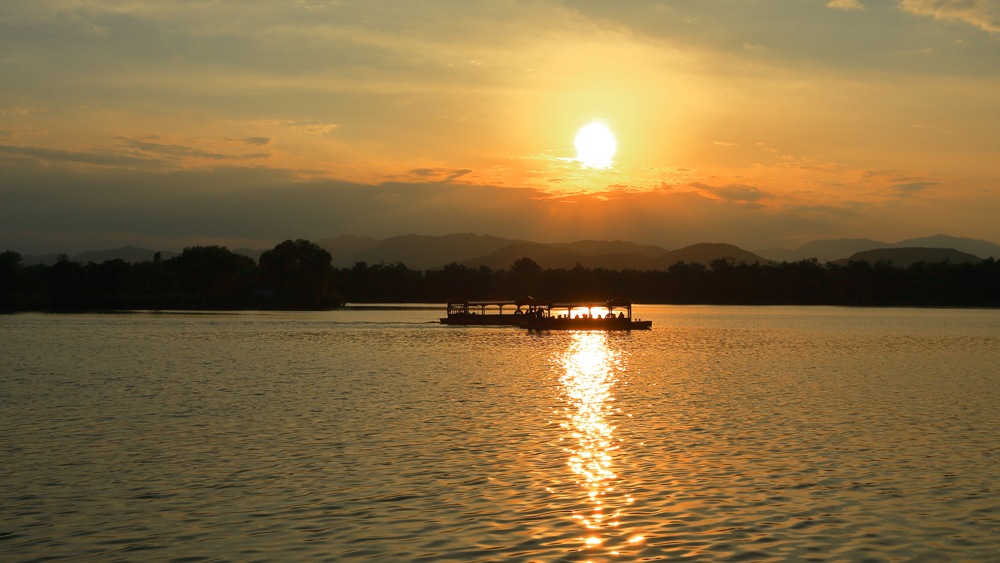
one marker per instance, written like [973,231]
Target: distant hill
[979,248]
[419,252]
[128,253]
[560,255]
[589,253]
[426,252]
[345,247]
[823,250]
[34,260]
[906,257]
[705,253]
[832,250]
[422,252]
[604,247]
[250,252]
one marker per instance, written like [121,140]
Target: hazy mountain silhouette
[590,253]
[34,260]
[823,250]
[344,248]
[906,257]
[561,255]
[416,251]
[426,252]
[705,253]
[128,253]
[250,253]
[979,248]
[831,250]
[604,247]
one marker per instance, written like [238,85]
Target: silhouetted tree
[212,275]
[524,278]
[300,273]
[10,267]
[109,282]
[525,267]
[66,285]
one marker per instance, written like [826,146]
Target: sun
[595,145]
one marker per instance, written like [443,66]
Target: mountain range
[565,255]
[127,253]
[836,249]
[906,257]
[431,252]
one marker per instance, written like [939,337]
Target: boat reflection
[587,383]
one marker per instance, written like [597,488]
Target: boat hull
[483,320]
[586,324]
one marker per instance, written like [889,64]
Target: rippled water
[724,434]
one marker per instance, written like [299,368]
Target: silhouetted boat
[537,314]
[553,323]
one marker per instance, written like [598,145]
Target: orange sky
[759,123]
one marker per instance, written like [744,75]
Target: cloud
[733,192]
[318,128]
[982,13]
[670,82]
[18,111]
[60,209]
[268,204]
[180,151]
[270,122]
[910,188]
[83,157]
[448,173]
[846,4]
[133,153]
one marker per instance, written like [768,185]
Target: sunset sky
[754,122]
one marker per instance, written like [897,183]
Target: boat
[550,320]
[539,314]
[465,312]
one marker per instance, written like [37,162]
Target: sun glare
[595,145]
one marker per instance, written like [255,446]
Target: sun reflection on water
[590,375]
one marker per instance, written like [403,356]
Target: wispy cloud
[982,13]
[732,192]
[19,111]
[910,188]
[82,157]
[448,174]
[317,128]
[180,151]
[846,4]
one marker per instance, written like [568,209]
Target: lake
[730,434]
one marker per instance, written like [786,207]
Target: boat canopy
[460,306]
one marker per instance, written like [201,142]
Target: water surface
[724,434]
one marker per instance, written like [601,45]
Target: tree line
[299,275]
[293,275]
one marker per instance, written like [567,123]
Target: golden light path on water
[590,375]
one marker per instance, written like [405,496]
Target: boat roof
[617,302]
